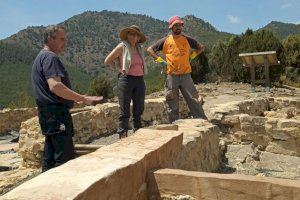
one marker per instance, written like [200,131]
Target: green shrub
[101,86]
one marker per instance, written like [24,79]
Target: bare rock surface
[247,159]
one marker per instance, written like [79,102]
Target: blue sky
[233,16]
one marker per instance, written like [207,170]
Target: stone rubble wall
[256,106]
[275,135]
[282,102]
[10,119]
[89,124]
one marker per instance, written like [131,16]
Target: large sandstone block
[254,106]
[200,150]
[285,147]
[117,171]
[167,183]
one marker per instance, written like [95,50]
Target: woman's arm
[113,55]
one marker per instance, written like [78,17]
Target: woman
[129,57]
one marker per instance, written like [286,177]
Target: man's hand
[92,100]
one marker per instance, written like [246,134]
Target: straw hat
[133,28]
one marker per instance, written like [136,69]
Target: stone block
[200,151]
[288,147]
[117,171]
[200,185]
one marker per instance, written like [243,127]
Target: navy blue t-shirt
[47,65]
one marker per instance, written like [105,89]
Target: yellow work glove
[193,55]
[161,61]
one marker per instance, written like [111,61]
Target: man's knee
[172,95]
[195,95]
[169,95]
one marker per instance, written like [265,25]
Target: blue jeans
[130,88]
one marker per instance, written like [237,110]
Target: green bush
[22,101]
[200,68]
[101,86]
[227,65]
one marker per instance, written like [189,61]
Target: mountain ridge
[281,29]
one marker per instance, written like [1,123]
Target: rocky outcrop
[10,119]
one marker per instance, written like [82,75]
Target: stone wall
[10,119]
[278,134]
[88,124]
[256,107]
[275,135]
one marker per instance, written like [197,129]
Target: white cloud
[298,22]
[286,5]
[234,19]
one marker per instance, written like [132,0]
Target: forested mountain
[282,30]
[91,36]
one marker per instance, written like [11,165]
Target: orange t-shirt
[177,52]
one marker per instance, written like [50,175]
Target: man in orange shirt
[177,49]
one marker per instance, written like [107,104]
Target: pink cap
[175,20]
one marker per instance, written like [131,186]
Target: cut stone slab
[200,151]
[200,185]
[117,171]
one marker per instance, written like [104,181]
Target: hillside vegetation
[92,35]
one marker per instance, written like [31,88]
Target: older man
[54,97]
[177,49]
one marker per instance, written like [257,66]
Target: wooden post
[266,59]
[252,71]
[267,73]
